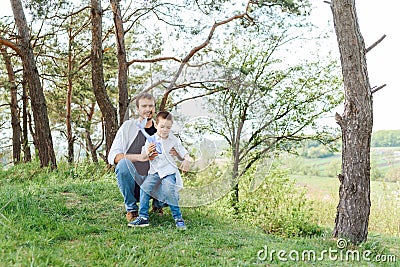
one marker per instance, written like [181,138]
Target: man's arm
[150,154]
[130,157]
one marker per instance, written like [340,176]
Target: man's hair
[163,115]
[146,96]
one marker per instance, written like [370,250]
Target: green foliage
[279,207]
[386,138]
[384,164]
[314,149]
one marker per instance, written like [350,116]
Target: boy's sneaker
[139,222]
[180,224]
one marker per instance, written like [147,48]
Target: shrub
[279,207]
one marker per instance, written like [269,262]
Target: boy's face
[146,108]
[163,127]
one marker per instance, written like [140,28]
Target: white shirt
[164,164]
[126,134]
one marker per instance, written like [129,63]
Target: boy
[164,169]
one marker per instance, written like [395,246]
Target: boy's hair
[146,96]
[164,115]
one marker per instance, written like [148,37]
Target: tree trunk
[25,143]
[356,124]
[106,107]
[16,127]
[89,144]
[38,101]
[235,181]
[70,136]
[122,64]
[90,147]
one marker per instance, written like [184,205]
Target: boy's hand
[151,151]
[185,166]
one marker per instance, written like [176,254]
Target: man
[131,168]
[164,171]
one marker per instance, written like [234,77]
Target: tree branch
[198,96]
[4,105]
[193,52]
[375,88]
[11,45]
[375,44]
[153,60]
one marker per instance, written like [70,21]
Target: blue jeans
[167,193]
[128,178]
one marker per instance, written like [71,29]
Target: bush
[392,175]
[277,205]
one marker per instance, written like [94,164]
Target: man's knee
[124,168]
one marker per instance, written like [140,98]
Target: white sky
[376,18]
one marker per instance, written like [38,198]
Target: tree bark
[68,104]
[89,142]
[25,143]
[122,63]
[15,122]
[356,124]
[38,102]
[106,107]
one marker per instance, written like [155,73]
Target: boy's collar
[158,138]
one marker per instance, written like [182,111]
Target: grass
[385,203]
[75,217]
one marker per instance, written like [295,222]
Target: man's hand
[151,151]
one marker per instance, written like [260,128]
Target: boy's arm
[183,154]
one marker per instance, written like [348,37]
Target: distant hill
[386,138]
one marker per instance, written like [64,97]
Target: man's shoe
[139,222]
[180,224]
[158,211]
[131,215]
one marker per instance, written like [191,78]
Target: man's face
[146,108]
[163,127]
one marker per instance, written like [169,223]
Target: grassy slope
[74,217]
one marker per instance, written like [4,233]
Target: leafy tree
[266,106]
[44,142]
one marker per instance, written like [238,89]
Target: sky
[376,18]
